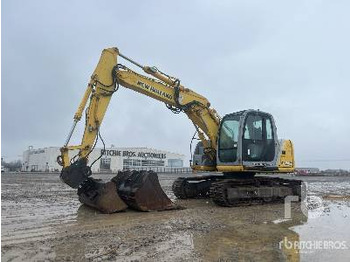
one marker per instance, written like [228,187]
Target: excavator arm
[104,82]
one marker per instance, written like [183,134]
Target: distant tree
[13,165]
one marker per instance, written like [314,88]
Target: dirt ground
[42,220]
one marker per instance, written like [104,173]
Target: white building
[111,159]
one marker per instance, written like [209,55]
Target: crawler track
[194,187]
[237,192]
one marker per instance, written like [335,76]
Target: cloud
[290,59]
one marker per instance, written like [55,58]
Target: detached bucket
[102,196]
[141,190]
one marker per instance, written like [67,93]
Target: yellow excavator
[234,148]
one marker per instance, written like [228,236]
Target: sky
[289,58]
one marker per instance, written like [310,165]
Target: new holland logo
[154,90]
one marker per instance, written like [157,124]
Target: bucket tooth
[141,190]
[102,196]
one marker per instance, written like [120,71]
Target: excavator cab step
[139,190]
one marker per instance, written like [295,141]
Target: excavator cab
[247,141]
[247,138]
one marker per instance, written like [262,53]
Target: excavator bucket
[102,196]
[141,190]
[138,190]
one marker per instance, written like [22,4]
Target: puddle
[326,236]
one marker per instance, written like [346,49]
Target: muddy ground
[42,220]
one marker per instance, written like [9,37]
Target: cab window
[228,139]
[253,128]
[269,135]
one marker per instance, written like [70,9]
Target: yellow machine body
[250,146]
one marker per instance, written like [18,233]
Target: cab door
[258,141]
[228,146]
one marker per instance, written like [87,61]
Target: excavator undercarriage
[228,191]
